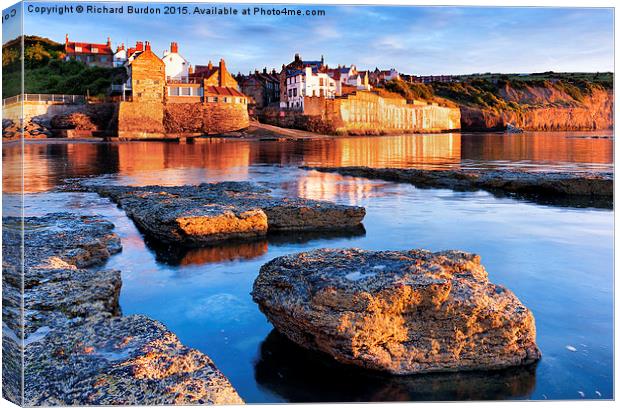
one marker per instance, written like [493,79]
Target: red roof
[87,48]
[220,90]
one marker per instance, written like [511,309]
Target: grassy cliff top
[46,72]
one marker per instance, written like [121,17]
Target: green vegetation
[507,92]
[46,72]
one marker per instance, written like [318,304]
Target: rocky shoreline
[401,312]
[564,188]
[197,215]
[79,349]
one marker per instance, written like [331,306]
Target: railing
[66,99]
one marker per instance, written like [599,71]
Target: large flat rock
[581,187]
[196,215]
[79,350]
[403,312]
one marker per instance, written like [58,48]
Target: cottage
[263,88]
[120,56]
[91,54]
[296,65]
[308,82]
[177,67]
[188,102]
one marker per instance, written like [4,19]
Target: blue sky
[418,40]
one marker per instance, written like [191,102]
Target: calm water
[558,260]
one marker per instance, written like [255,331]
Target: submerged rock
[403,312]
[208,213]
[598,185]
[78,349]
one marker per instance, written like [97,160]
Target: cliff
[550,110]
[552,102]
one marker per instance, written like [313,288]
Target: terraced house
[170,98]
[91,54]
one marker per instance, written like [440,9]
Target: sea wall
[595,112]
[138,120]
[369,113]
[141,120]
[38,110]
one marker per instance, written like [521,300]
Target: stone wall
[141,120]
[369,113]
[207,118]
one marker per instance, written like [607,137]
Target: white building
[306,82]
[120,56]
[177,67]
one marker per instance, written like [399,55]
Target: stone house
[263,88]
[91,54]
[207,102]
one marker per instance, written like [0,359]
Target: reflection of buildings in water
[144,161]
[300,375]
[423,151]
[45,165]
[330,186]
[537,147]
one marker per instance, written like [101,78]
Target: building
[263,88]
[100,55]
[296,65]
[177,67]
[120,56]
[206,101]
[308,82]
[148,78]
[380,77]
[349,79]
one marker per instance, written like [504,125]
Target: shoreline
[269,133]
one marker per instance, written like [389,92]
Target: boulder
[77,348]
[209,213]
[403,312]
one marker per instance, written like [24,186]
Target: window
[104,59]
[94,50]
[215,99]
[78,49]
[78,58]
[295,92]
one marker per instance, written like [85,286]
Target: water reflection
[231,251]
[47,164]
[299,375]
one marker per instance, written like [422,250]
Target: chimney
[174,47]
[66,38]
[265,70]
[255,72]
[322,60]
[210,66]
[190,70]
[297,58]
[147,46]
[222,73]
[139,46]
[109,43]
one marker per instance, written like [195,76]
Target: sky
[414,40]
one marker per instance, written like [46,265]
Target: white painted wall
[177,67]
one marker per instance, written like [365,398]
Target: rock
[404,312]
[294,373]
[208,213]
[129,360]
[74,120]
[597,185]
[78,349]
[510,128]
